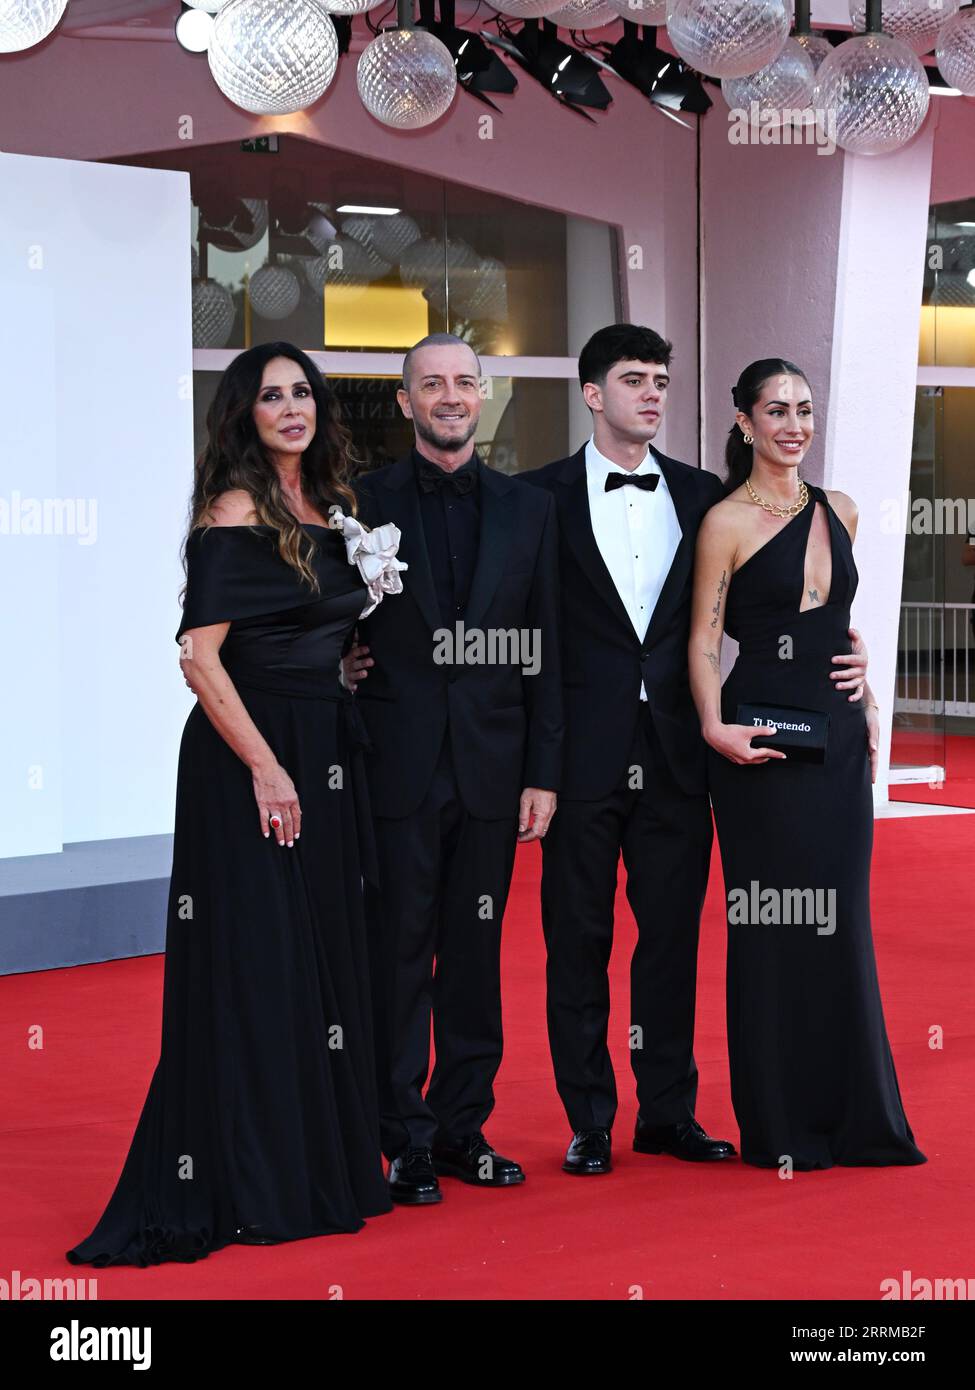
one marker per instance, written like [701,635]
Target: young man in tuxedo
[633,771]
[465,762]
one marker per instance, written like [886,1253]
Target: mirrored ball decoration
[527,9]
[956,51]
[23,23]
[273,57]
[876,91]
[422,263]
[213,314]
[816,46]
[274,292]
[642,11]
[406,78]
[585,14]
[784,85]
[387,237]
[728,38]
[349,7]
[915,21]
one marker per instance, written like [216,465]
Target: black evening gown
[812,1075]
[262,1110]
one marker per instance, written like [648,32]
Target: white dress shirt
[637,533]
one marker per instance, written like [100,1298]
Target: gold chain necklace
[792,510]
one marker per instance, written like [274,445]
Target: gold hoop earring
[747,438]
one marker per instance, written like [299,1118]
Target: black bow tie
[434,479]
[645,481]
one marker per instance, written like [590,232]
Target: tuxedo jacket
[505,727]
[603,659]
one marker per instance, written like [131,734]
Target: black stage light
[571,77]
[478,69]
[662,77]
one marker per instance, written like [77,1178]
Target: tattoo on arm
[722,585]
[715,663]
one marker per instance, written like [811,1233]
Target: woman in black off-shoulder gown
[261,1122]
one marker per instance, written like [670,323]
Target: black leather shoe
[253,1235]
[589,1152]
[412,1180]
[684,1140]
[474,1161]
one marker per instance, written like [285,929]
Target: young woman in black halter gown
[812,1077]
[261,1123]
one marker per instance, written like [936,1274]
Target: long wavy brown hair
[234,457]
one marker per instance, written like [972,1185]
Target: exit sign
[263,144]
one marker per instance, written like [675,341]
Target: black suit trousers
[664,835]
[435,945]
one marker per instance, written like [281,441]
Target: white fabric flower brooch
[374,554]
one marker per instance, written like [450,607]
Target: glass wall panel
[948,305]
[323,248]
[523,424]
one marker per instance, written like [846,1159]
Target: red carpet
[677,1230]
[955,753]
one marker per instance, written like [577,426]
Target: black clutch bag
[801,734]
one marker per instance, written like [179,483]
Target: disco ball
[785,84]
[877,90]
[274,292]
[915,21]
[584,14]
[213,314]
[527,9]
[23,23]
[387,237]
[728,38]
[273,57]
[406,78]
[816,46]
[642,11]
[956,52]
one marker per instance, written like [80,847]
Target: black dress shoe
[412,1180]
[684,1140]
[589,1152]
[253,1235]
[474,1161]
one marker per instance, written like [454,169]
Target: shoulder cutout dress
[812,1076]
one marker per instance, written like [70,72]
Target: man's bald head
[436,340]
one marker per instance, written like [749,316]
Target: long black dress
[812,1075]
[262,1110]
